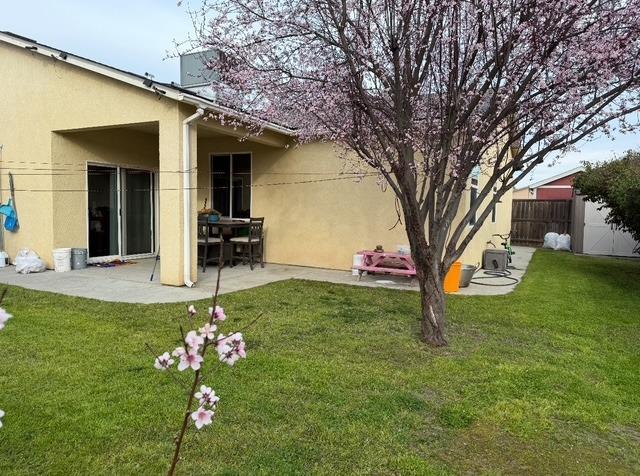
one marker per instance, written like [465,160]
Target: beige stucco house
[109,160]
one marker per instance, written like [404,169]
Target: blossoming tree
[428,92]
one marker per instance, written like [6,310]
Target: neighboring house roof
[559,176]
[170,90]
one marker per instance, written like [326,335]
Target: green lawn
[545,380]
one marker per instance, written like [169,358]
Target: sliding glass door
[137,212]
[104,209]
[121,212]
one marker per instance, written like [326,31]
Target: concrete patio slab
[130,282]
[486,285]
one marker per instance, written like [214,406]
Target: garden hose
[495,274]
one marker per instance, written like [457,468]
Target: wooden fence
[532,219]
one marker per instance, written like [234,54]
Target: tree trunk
[432,300]
[432,297]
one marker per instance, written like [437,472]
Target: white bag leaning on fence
[563,243]
[28,261]
[550,240]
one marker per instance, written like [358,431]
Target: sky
[139,35]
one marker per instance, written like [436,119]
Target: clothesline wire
[177,189]
[81,170]
[305,174]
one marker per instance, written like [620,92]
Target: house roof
[559,176]
[171,90]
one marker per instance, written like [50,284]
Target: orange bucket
[452,279]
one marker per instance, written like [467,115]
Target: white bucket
[62,260]
[3,259]
[404,249]
[357,261]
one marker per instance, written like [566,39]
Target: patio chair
[206,242]
[252,245]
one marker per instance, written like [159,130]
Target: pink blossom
[193,340]
[4,317]
[241,350]
[163,362]
[190,359]
[192,310]
[178,352]
[202,417]
[207,396]
[208,331]
[231,348]
[218,314]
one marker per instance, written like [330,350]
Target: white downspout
[186,189]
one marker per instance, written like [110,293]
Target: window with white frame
[231,184]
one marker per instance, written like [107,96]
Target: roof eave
[138,81]
[559,176]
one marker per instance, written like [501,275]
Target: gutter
[217,108]
[186,189]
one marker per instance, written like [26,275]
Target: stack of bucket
[62,260]
[66,259]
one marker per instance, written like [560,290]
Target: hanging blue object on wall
[9,210]
[11,220]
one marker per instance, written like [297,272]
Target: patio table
[228,228]
[229,225]
[395,264]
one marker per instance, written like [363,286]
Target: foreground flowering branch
[202,401]
[4,317]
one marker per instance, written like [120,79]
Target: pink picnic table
[395,264]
